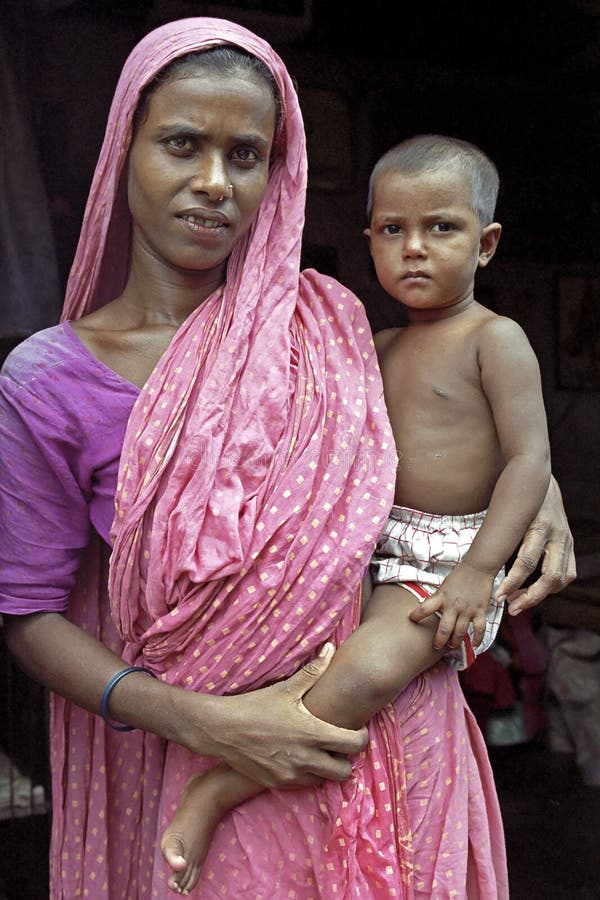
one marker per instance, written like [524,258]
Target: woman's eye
[180,144]
[245,155]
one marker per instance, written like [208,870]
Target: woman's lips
[204,223]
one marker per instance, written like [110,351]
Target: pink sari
[256,475]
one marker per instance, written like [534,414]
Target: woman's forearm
[266,734]
[70,662]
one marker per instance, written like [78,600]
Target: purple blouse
[63,416]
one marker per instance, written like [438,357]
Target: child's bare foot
[186,841]
[205,800]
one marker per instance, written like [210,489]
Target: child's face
[426,241]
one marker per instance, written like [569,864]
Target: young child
[463,392]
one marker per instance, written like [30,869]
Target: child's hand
[462,599]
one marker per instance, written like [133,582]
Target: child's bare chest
[442,421]
[440,374]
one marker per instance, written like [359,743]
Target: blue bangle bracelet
[108,691]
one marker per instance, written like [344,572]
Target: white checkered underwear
[418,550]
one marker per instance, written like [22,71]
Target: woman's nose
[210,177]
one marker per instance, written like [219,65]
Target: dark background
[519,79]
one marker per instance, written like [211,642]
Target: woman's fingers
[305,678]
[549,537]
[331,738]
[558,570]
[273,739]
[526,562]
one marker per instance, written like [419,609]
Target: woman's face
[198,169]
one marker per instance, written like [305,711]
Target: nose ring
[228,195]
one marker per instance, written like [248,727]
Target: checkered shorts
[418,550]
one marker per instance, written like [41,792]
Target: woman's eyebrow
[184,127]
[251,138]
[188,128]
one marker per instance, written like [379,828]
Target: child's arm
[511,382]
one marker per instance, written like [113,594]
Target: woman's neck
[167,296]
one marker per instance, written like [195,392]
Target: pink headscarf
[258,461]
[100,269]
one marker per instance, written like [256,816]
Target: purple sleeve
[44,519]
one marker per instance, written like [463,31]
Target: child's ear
[367,234]
[488,243]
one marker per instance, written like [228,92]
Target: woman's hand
[269,735]
[548,536]
[266,734]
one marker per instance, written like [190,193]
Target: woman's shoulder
[55,360]
[52,370]
[332,301]
[55,348]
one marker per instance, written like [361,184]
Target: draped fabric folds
[256,475]
[264,418]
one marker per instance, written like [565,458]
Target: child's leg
[205,800]
[376,662]
[369,670]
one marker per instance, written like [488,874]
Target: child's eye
[443,227]
[391,229]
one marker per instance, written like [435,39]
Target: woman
[242,406]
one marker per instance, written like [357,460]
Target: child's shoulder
[503,345]
[493,326]
[383,339]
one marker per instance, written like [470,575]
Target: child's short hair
[436,151]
